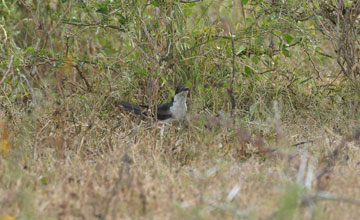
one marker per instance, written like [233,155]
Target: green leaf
[244,2]
[241,49]
[251,87]
[285,51]
[228,50]
[31,50]
[288,38]
[188,11]
[196,31]
[248,71]
[157,3]
[276,32]
[257,77]
[141,72]
[250,19]
[43,52]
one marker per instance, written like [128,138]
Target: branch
[313,64]
[92,25]
[77,66]
[190,1]
[231,89]
[8,70]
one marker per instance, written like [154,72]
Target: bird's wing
[163,111]
[133,108]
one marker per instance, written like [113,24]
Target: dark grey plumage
[132,108]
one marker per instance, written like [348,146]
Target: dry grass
[146,171]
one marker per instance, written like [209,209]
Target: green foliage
[166,41]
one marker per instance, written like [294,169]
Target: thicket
[301,53]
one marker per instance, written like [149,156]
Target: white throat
[179,108]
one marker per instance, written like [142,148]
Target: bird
[174,110]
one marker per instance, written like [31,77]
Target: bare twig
[189,1]
[61,18]
[8,69]
[50,60]
[92,25]
[266,71]
[90,13]
[231,89]
[301,143]
[46,34]
[313,64]
[328,196]
[77,66]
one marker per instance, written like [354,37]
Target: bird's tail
[132,108]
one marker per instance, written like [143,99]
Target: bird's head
[181,89]
[181,93]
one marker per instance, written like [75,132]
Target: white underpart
[179,108]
